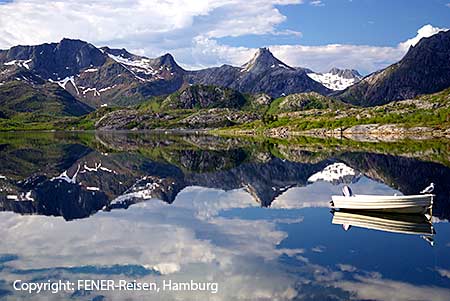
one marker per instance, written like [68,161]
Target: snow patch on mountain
[90,70]
[106,89]
[97,167]
[63,83]
[336,79]
[94,90]
[20,63]
[91,188]
[65,177]
[336,173]
[138,67]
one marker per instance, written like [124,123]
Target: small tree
[269,118]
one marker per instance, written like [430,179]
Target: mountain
[264,73]
[337,79]
[104,76]
[74,177]
[97,77]
[424,69]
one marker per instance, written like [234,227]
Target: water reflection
[194,212]
[388,222]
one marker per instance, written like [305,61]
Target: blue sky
[358,22]
[362,34]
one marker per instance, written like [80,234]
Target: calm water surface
[252,217]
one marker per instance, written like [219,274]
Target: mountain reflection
[76,175]
[193,211]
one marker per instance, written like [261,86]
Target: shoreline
[364,132]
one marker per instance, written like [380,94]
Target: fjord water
[252,216]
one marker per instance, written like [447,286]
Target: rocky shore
[363,133]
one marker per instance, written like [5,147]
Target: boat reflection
[413,224]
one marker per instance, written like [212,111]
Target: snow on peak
[337,79]
[335,173]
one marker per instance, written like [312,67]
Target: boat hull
[397,204]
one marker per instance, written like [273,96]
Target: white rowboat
[401,204]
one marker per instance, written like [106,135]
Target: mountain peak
[118,52]
[264,51]
[68,40]
[346,73]
[169,61]
[263,59]
[73,44]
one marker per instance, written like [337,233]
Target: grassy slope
[25,107]
[20,97]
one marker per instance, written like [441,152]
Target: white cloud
[444,273]
[187,28]
[137,23]
[180,241]
[317,3]
[424,32]
[376,288]
[364,58]
[318,194]
[346,267]
[183,243]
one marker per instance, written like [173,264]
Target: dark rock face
[262,74]
[424,69]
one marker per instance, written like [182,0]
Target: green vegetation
[296,112]
[304,102]
[428,111]
[19,97]
[151,105]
